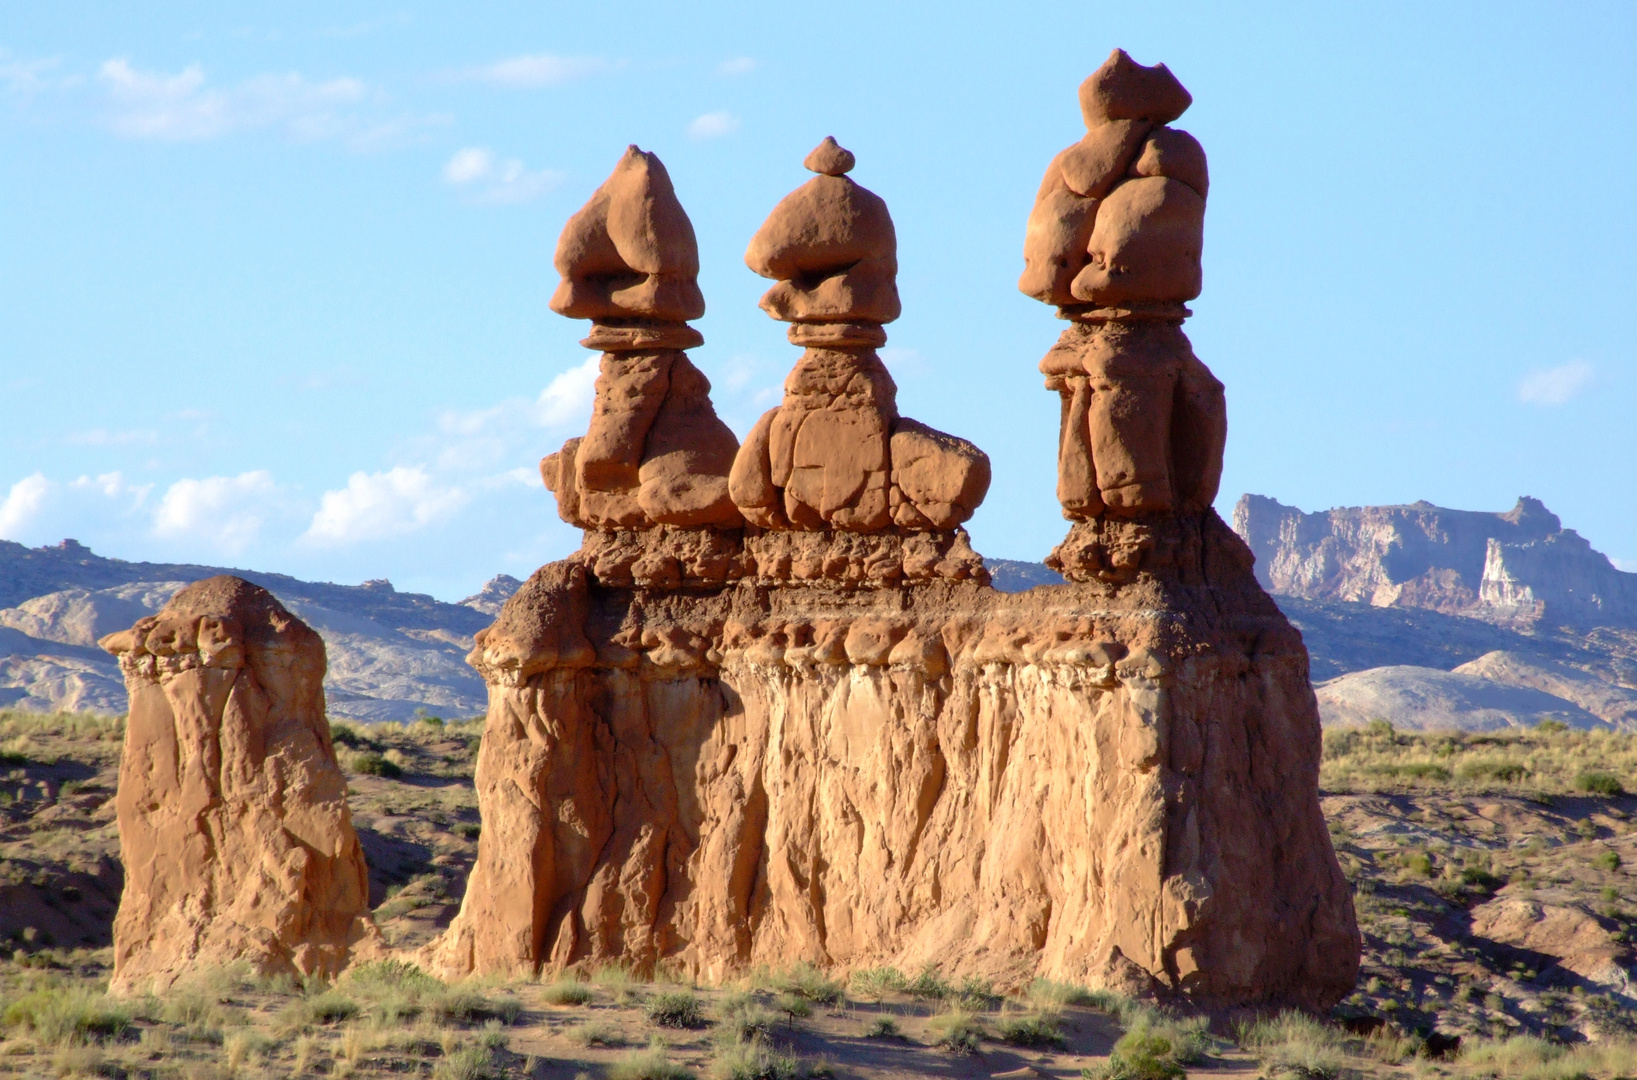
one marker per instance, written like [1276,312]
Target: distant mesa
[1521,565]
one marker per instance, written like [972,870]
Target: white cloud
[537,70]
[713,125]
[1555,386]
[227,512]
[484,439]
[383,504]
[495,180]
[113,485]
[182,108]
[567,398]
[22,503]
[739,65]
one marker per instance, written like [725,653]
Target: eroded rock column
[234,829]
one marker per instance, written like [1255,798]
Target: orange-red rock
[1123,89]
[655,452]
[1113,783]
[234,829]
[630,251]
[825,459]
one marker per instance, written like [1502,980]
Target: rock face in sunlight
[817,733]
[234,828]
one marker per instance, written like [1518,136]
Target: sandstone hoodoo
[814,732]
[234,829]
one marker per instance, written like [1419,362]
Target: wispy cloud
[1555,386]
[739,65]
[104,437]
[713,125]
[26,78]
[377,505]
[496,180]
[179,107]
[534,71]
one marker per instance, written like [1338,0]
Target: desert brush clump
[652,1063]
[675,1008]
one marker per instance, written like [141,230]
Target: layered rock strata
[234,829]
[1113,785]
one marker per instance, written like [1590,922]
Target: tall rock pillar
[234,828]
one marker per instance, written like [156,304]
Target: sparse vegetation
[1427,827]
[676,1008]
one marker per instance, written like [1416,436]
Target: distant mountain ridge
[1518,566]
[390,653]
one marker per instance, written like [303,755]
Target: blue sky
[273,278]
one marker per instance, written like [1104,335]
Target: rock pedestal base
[1103,782]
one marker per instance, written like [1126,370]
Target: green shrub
[567,993]
[883,1027]
[1607,859]
[877,983]
[743,1017]
[649,1064]
[463,1006]
[1507,772]
[794,1006]
[806,981]
[675,1008]
[1139,1055]
[1599,783]
[1030,1029]
[376,765]
[929,985]
[958,1031]
[330,1007]
[753,1060]
[63,1015]
[594,1033]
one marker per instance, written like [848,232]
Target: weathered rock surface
[235,834]
[1073,782]
[1119,218]
[656,453]
[835,454]
[1518,566]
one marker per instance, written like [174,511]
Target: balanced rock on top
[835,454]
[1119,218]
[655,453]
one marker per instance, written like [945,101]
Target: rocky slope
[390,653]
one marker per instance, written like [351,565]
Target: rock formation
[822,736]
[835,454]
[655,453]
[1114,242]
[233,822]
[1520,566]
